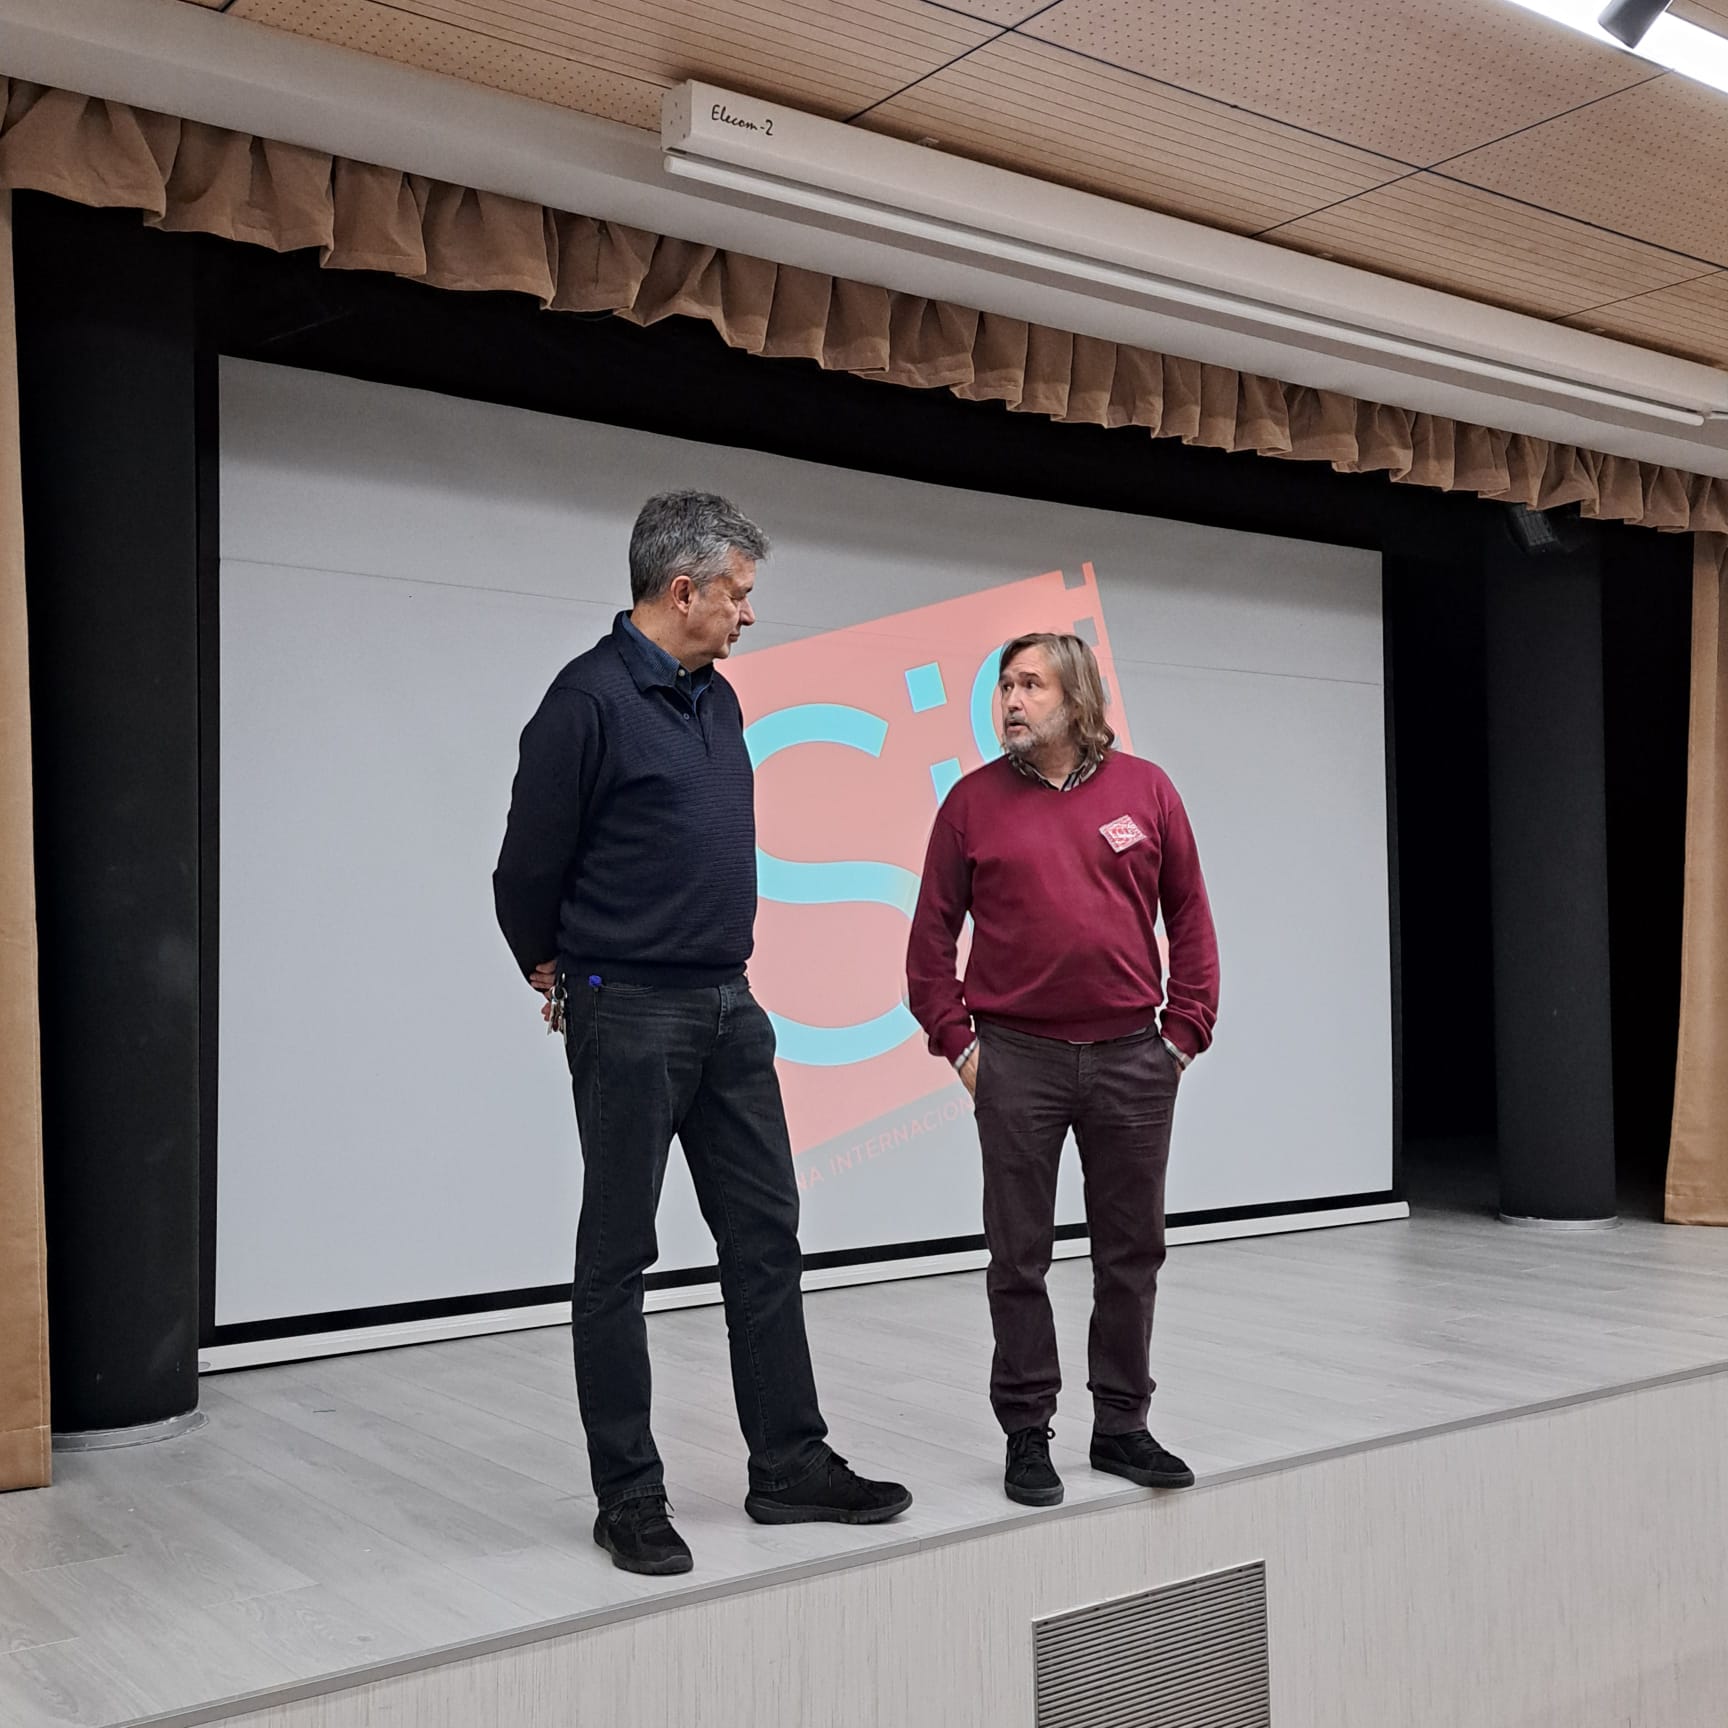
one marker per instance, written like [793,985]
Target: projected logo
[857,735]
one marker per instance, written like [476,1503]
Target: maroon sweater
[1062,912]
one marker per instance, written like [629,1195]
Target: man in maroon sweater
[1063,851]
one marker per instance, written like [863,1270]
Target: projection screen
[402,575]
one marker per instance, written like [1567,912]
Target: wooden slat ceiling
[1468,145]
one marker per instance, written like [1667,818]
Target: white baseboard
[220,1358]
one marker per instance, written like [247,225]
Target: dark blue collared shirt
[659,667]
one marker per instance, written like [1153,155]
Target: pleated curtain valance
[184,175]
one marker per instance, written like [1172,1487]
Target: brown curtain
[24,1454]
[1698,1152]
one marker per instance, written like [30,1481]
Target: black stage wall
[120,552]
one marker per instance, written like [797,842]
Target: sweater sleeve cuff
[1184,1036]
[952,1042]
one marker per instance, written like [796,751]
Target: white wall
[402,576]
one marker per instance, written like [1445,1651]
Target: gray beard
[1056,730]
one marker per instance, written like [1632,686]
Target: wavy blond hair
[1076,668]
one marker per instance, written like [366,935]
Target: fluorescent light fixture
[1698,54]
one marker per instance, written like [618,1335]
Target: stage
[404,1519]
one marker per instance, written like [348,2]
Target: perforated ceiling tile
[1455,237]
[1690,319]
[392,34]
[1023,105]
[832,57]
[1408,78]
[999,11]
[1639,162]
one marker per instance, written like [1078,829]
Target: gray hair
[688,534]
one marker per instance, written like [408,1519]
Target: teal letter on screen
[864,881]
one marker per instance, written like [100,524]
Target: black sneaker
[832,1493]
[1141,1459]
[1030,1477]
[638,1534]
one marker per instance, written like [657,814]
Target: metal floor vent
[1188,1655]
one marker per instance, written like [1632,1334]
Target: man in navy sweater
[1063,851]
[626,889]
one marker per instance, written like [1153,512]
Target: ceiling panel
[1002,12]
[1427,229]
[1707,16]
[1017,101]
[831,57]
[1648,162]
[1407,78]
[1691,319]
[393,34]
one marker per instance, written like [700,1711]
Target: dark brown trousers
[1119,1098]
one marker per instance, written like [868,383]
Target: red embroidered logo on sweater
[1122,833]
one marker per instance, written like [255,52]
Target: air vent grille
[1187,1655]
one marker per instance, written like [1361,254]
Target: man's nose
[746,614]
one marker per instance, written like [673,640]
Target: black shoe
[638,1534]
[1141,1459]
[1030,1477]
[832,1493]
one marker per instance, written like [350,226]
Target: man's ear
[682,593]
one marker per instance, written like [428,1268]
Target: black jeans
[648,1064]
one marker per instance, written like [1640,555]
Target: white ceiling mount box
[871,184]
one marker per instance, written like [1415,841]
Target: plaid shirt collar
[1089,765]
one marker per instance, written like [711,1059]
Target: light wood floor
[360,1510]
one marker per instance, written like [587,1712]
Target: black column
[106,347]
[1647,676]
[1549,867]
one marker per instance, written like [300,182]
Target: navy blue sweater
[630,852]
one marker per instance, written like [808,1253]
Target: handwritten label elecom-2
[723,116]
